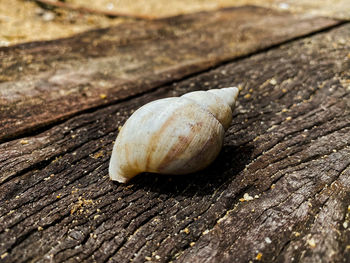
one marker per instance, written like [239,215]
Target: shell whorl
[220,102]
[229,95]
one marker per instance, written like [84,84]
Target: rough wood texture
[160,8]
[339,9]
[288,148]
[43,83]
[88,10]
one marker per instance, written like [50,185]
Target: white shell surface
[213,103]
[170,136]
[228,95]
[177,135]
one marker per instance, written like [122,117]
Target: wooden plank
[339,9]
[288,148]
[43,83]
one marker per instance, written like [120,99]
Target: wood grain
[43,83]
[288,148]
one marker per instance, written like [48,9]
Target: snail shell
[177,135]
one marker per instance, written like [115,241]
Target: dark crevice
[310,158]
[22,238]
[140,224]
[44,163]
[233,202]
[29,201]
[114,211]
[280,140]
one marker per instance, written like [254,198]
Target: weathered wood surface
[288,146]
[42,83]
[160,8]
[339,9]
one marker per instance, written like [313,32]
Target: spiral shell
[177,135]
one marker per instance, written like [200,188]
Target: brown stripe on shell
[155,138]
[130,167]
[197,157]
[127,157]
[177,149]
